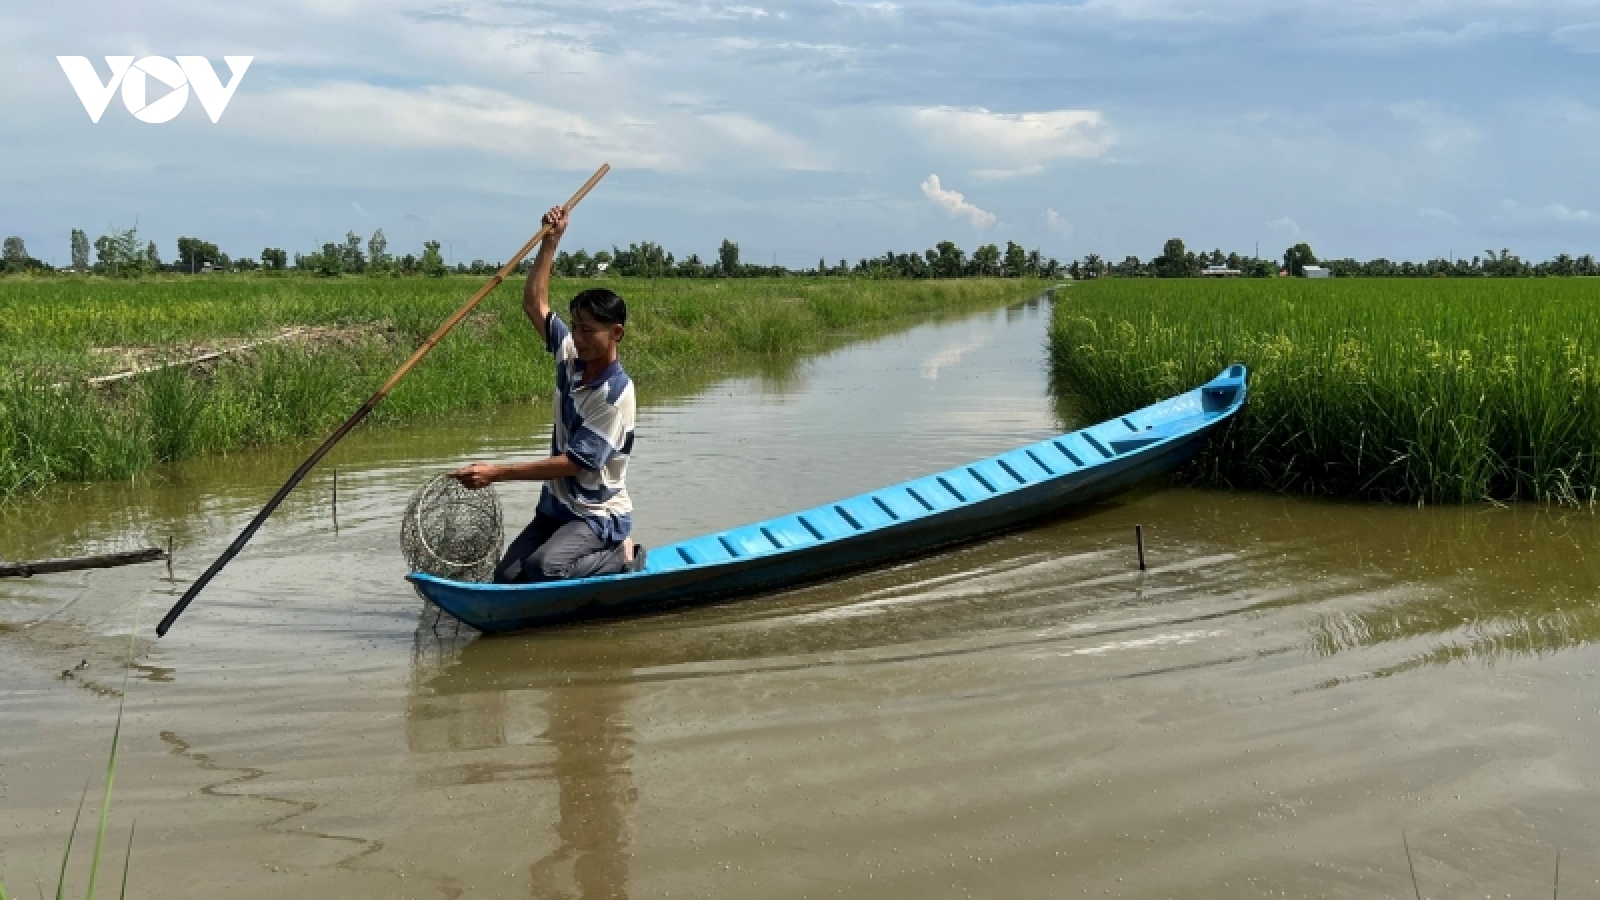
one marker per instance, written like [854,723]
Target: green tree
[330,262]
[728,258]
[1296,258]
[986,260]
[351,259]
[946,260]
[119,253]
[1174,261]
[432,260]
[15,254]
[80,250]
[152,257]
[274,259]
[194,253]
[378,252]
[1016,260]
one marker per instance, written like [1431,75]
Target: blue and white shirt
[593,427]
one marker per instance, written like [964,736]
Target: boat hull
[969,503]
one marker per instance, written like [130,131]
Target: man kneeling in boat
[584,518]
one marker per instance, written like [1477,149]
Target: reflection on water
[1485,584]
[1289,684]
[458,702]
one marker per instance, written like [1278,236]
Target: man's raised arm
[536,292]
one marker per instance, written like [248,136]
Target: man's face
[596,341]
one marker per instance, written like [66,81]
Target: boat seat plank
[869,514]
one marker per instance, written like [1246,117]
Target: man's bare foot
[627,550]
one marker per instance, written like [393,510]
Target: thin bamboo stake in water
[335,499]
[367,407]
[1138,538]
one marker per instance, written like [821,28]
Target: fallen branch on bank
[193,360]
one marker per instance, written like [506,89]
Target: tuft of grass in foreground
[1395,390]
[55,428]
[105,800]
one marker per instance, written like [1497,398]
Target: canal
[1294,691]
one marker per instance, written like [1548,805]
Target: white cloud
[457,116]
[1016,143]
[1583,38]
[1560,212]
[992,174]
[1056,223]
[499,123]
[777,148]
[1516,215]
[1438,215]
[1467,33]
[1285,225]
[955,204]
[1438,131]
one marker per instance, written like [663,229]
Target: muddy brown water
[1289,688]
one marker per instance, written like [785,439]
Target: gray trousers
[549,550]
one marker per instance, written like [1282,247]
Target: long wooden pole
[367,407]
[72,564]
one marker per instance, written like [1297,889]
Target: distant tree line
[1176,261]
[123,253]
[945,260]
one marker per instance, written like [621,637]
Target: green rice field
[322,346]
[1436,391]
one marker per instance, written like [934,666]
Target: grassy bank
[338,339]
[1396,390]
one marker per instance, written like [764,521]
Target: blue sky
[806,129]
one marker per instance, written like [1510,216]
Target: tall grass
[1398,390]
[53,427]
[105,799]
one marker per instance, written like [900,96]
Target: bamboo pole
[73,564]
[361,413]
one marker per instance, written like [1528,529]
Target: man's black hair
[603,305]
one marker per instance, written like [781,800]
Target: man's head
[598,319]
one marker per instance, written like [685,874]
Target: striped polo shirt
[593,427]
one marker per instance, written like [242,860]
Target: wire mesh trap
[452,532]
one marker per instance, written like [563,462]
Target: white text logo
[135,76]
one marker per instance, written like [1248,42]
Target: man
[584,519]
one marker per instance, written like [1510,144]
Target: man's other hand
[477,475]
[556,218]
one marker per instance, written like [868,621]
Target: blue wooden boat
[885,526]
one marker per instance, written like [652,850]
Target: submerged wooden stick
[335,499]
[1138,538]
[72,564]
[367,407]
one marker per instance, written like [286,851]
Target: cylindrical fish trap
[452,532]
